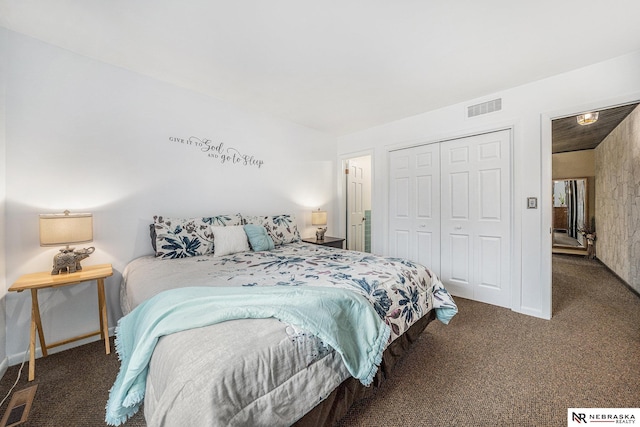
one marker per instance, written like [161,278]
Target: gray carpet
[489,367]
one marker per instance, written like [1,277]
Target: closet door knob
[458,227]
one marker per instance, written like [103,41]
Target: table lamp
[67,229]
[319,218]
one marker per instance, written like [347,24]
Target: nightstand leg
[104,323]
[32,349]
[36,324]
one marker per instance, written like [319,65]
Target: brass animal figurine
[68,260]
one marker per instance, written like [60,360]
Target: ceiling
[338,66]
[568,135]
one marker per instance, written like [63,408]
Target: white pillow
[229,240]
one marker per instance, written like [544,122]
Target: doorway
[579,151]
[357,191]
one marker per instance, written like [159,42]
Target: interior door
[355,206]
[476,217]
[414,205]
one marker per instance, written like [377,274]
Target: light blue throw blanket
[342,319]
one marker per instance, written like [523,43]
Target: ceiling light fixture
[587,118]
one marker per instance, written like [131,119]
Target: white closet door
[476,217]
[414,205]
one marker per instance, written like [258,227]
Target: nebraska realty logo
[582,416]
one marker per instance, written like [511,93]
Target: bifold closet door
[476,217]
[414,205]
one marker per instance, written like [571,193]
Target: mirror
[570,213]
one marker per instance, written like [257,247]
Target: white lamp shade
[65,229]
[319,217]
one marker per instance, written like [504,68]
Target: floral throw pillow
[281,228]
[187,237]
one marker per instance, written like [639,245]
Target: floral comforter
[246,372]
[401,291]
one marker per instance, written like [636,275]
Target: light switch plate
[532,203]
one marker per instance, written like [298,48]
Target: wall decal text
[219,151]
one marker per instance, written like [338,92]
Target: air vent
[484,108]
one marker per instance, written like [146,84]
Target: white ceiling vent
[484,108]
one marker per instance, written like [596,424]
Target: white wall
[3,197]
[528,110]
[86,136]
[574,164]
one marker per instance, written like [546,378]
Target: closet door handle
[458,227]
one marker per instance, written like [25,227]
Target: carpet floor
[489,367]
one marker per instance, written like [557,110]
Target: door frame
[546,173]
[342,195]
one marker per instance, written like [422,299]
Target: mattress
[263,371]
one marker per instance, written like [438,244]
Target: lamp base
[320,233]
[68,260]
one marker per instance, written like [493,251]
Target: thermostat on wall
[532,203]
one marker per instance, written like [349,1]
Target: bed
[264,371]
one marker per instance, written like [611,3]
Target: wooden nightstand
[42,280]
[334,242]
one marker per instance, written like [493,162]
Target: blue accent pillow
[259,239]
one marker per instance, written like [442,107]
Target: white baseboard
[17,358]
[3,366]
